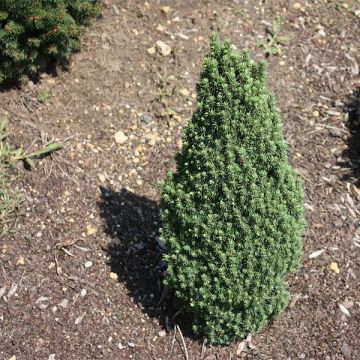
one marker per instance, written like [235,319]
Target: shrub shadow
[51,69]
[132,221]
[352,152]
[134,253]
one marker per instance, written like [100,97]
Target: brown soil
[91,209]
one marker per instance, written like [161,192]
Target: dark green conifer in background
[232,214]
[34,33]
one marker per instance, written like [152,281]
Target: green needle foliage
[232,214]
[34,33]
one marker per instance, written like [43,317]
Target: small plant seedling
[272,43]
[44,97]
[165,89]
[19,155]
[9,199]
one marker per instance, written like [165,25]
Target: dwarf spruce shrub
[34,33]
[232,214]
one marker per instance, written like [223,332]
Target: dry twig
[172,345]
[183,343]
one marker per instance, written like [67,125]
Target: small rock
[184,92]
[321,32]
[162,333]
[296,6]
[316,114]
[116,10]
[120,345]
[163,48]
[102,178]
[83,292]
[120,137]
[166,9]
[88,264]
[151,50]
[335,268]
[91,230]
[21,261]
[131,344]
[113,276]
[160,28]
[13,357]
[147,118]
[51,357]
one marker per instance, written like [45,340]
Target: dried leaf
[308,207]
[316,253]
[276,25]
[41,299]
[355,66]
[63,303]
[12,290]
[344,310]
[79,319]
[240,348]
[294,300]
[2,291]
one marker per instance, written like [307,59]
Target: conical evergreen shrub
[34,33]
[232,214]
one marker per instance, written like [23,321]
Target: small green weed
[44,97]
[165,90]
[9,197]
[272,43]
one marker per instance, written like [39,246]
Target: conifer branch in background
[35,33]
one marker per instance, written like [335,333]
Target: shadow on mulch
[132,221]
[51,69]
[352,152]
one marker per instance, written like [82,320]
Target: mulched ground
[80,277]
